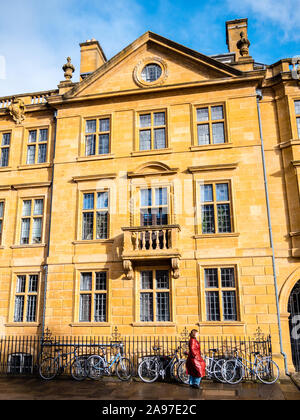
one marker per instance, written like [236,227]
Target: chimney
[92,57]
[234,28]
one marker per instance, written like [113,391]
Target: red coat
[195,365]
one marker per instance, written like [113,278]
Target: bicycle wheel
[124,369]
[174,370]
[182,372]
[232,372]
[49,368]
[148,370]
[267,372]
[79,369]
[95,367]
[218,371]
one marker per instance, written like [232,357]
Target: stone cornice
[93,177]
[218,167]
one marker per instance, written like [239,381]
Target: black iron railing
[22,355]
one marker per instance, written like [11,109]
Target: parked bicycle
[50,367]
[213,368]
[98,366]
[153,367]
[263,368]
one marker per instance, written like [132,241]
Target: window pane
[206,193]
[145,120]
[26,208]
[38,207]
[151,72]
[146,307]
[298,127]
[43,135]
[37,231]
[33,283]
[42,153]
[5,139]
[100,281]
[32,136]
[229,306]
[224,220]
[227,277]
[1,208]
[159,138]
[217,113]
[146,217]
[25,227]
[159,119]
[90,126]
[202,114]
[297,107]
[31,309]
[102,200]
[222,192]
[103,144]
[104,125]
[30,155]
[0,231]
[203,134]
[163,306]
[88,202]
[4,157]
[161,196]
[101,225]
[86,282]
[100,307]
[145,140]
[146,198]
[19,309]
[212,306]
[90,145]
[211,277]
[21,281]
[85,308]
[218,133]
[208,220]
[146,280]
[160,216]
[162,279]
[87,226]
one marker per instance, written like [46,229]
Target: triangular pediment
[179,65]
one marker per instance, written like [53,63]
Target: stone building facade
[136,197]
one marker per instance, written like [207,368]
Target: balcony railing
[150,239]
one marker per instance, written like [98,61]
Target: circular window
[151,72]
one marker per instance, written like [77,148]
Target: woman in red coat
[195,365]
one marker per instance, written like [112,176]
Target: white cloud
[283,13]
[44,33]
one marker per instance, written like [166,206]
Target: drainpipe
[49,231]
[258,99]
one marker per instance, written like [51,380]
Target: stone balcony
[146,243]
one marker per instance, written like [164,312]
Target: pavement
[296,379]
[109,389]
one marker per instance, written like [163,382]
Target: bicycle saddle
[213,350]
[57,350]
[156,348]
[257,353]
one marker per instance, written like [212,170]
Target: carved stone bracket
[175,268]
[127,265]
[17,110]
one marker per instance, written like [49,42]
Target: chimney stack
[92,57]
[234,28]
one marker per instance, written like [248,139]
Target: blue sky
[37,36]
